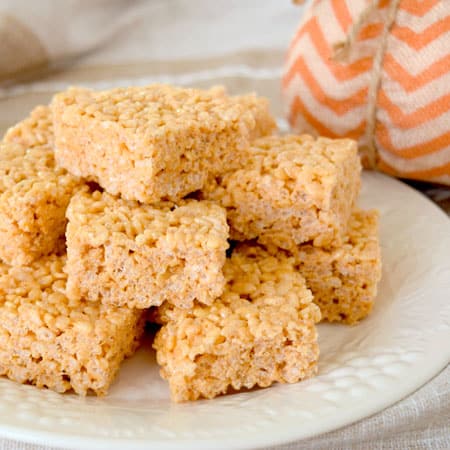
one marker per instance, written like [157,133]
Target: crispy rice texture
[129,254]
[344,280]
[260,331]
[34,195]
[36,129]
[290,190]
[51,341]
[156,142]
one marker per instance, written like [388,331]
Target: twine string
[368,150]
[341,53]
[341,50]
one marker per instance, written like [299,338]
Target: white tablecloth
[239,43]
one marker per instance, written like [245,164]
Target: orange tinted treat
[36,129]
[260,331]
[128,254]
[34,195]
[290,190]
[344,280]
[154,142]
[51,341]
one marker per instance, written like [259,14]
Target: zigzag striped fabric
[411,129]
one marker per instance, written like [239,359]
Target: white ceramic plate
[363,369]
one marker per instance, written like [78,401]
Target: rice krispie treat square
[156,142]
[51,341]
[34,194]
[290,190]
[344,280]
[260,331]
[125,253]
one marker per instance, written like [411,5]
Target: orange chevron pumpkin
[377,71]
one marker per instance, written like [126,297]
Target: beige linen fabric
[240,43]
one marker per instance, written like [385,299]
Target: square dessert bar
[156,142]
[34,194]
[290,190]
[260,331]
[51,341]
[344,280]
[128,254]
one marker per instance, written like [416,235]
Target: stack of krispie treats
[259,331]
[117,208]
[297,194]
